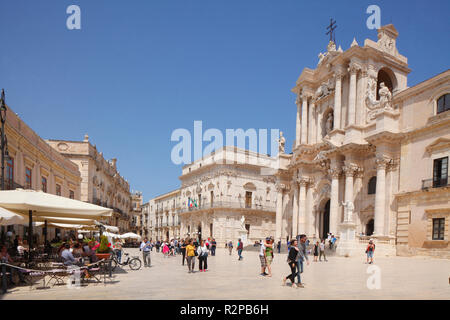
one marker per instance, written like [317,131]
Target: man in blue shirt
[302,255]
[145,248]
[67,256]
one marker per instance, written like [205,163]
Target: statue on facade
[243,224]
[348,210]
[281,143]
[385,97]
[329,123]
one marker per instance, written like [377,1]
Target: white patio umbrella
[40,204]
[130,235]
[113,229]
[49,205]
[8,218]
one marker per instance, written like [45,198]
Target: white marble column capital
[353,68]
[334,173]
[382,163]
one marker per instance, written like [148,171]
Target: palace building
[101,182]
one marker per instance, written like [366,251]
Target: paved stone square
[228,278]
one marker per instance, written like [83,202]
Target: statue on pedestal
[243,224]
[385,97]
[329,123]
[348,211]
[281,143]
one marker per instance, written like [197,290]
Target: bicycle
[134,263]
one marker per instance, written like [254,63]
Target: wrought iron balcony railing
[230,205]
[435,183]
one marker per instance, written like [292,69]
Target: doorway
[326,220]
[370,227]
[199,233]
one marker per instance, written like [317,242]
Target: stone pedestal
[347,241]
[242,234]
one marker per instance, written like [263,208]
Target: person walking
[213,247]
[262,259]
[269,255]
[302,256]
[279,246]
[316,251]
[183,251]
[239,248]
[145,248]
[292,262]
[203,252]
[230,246]
[190,256]
[322,251]
[370,251]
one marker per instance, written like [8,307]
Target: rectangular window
[440,172]
[71,194]
[438,228]
[248,199]
[9,181]
[28,180]
[58,190]
[44,184]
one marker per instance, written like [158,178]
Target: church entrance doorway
[370,227]
[325,220]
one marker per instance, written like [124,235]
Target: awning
[130,235]
[48,205]
[8,218]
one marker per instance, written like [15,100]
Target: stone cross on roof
[331,29]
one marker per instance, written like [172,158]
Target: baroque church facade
[370,158]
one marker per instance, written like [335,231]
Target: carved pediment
[369,208]
[438,145]
[249,186]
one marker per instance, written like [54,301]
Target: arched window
[443,103]
[372,187]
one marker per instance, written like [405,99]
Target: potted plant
[104,249]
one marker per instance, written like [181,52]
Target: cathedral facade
[370,159]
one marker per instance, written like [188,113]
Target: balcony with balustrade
[435,183]
[239,206]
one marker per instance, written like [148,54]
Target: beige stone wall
[101,183]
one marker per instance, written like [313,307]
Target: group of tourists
[319,251]
[188,248]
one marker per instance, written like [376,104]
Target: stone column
[295,212]
[304,139]
[302,206]
[334,199]
[298,124]
[317,225]
[279,212]
[319,127]
[349,171]
[310,209]
[353,69]
[311,127]
[337,100]
[380,196]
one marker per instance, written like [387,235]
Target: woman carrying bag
[292,261]
[203,252]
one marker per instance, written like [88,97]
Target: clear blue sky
[139,69]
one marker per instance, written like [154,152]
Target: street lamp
[3,140]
